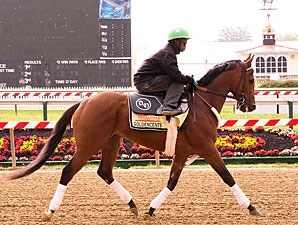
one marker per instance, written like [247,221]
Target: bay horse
[101,121]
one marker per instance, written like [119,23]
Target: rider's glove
[195,84]
[189,80]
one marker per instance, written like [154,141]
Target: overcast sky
[152,19]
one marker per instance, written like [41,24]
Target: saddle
[146,111]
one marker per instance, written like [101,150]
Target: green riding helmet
[178,33]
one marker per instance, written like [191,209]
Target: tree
[230,34]
[287,37]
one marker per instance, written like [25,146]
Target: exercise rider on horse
[160,72]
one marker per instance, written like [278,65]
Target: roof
[198,52]
[269,49]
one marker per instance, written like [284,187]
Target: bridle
[241,100]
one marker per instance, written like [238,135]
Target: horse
[101,121]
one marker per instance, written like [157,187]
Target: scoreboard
[70,43]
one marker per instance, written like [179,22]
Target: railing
[59,98]
[56,93]
[79,93]
[288,100]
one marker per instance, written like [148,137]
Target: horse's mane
[216,70]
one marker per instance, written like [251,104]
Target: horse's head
[237,79]
[244,89]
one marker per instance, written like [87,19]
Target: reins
[218,94]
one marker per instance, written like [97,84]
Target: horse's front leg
[176,169]
[216,162]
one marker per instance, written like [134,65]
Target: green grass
[29,115]
[53,115]
[227,113]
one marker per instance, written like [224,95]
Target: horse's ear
[248,60]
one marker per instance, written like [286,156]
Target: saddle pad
[153,122]
[145,104]
[145,112]
[149,104]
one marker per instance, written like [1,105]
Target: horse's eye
[251,81]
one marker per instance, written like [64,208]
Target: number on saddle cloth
[150,104]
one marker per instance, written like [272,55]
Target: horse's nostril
[254,107]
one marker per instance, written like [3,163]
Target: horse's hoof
[147,216]
[253,211]
[46,216]
[134,211]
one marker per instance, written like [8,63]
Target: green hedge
[280,84]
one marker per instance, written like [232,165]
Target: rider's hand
[189,80]
[195,84]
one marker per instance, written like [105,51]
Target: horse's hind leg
[105,171]
[216,162]
[176,169]
[75,164]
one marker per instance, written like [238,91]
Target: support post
[45,110]
[157,159]
[277,105]
[12,148]
[290,103]
[16,109]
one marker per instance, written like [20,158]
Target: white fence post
[157,159]
[12,148]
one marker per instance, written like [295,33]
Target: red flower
[3,158]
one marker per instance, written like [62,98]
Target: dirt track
[199,198]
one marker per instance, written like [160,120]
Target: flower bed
[230,143]
[257,142]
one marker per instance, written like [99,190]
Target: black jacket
[164,62]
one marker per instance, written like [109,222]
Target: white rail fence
[284,100]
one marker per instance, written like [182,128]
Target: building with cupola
[273,61]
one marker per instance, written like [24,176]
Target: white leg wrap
[172,133]
[58,196]
[240,196]
[121,191]
[156,203]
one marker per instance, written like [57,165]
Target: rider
[160,72]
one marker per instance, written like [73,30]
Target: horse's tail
[49,147]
